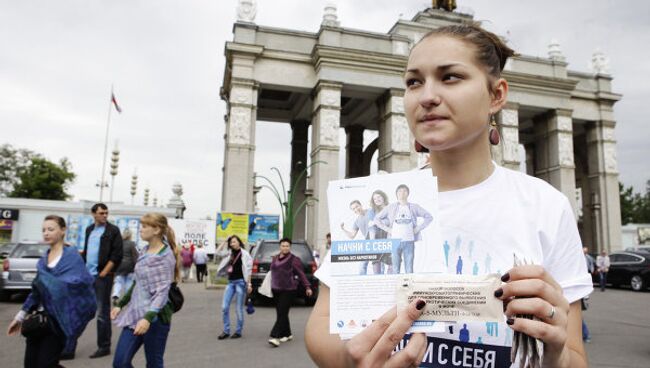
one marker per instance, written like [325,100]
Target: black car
[266,249]
[629,268]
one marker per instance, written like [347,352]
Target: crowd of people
[112,280]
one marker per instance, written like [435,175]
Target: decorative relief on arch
[330,97]
[329,127]
[608,134]
[239,130]
[611,164]
[565,142]
[241,95]
[400,135]
[564,123]
[510,117]
[397,104]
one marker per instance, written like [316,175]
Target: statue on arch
[448,5]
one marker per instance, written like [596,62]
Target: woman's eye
[412,82]
[451,77]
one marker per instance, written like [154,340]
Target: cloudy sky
[165,59]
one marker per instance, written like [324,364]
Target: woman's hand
[373,347]
[14,327]
[249,288]
[114,312]
[142,327]
[308,292]
[531,290]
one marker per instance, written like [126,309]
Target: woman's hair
[374,207]
[241,243]
[491,51]
[159,221]
[285,240]
[58,219]
[127,234]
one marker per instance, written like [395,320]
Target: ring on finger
[552,313]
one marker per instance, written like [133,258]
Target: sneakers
[286,338]
[236,335]
[100,353]
[223,336]
[275,342]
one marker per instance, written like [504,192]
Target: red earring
[494,133]
[420,148]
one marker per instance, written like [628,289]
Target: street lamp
[134,185]
[115,162]
[146,196]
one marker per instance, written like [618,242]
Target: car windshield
[268,250]
[30,251]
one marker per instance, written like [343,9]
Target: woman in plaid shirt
[144,312]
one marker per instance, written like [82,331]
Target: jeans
[122,284]
[282,299]
[103,286]
[201,270]
[234,287]
[154,342]
[603,280]
[585,332]
[407,249]
[377,267]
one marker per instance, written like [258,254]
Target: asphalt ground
[619,321]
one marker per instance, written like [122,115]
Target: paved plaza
[618,320]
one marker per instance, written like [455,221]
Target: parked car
[19,268]
[629,268]
[266,249]
[5,249]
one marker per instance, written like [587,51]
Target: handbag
[176,298]
[232,263]
[35,325]
[265,288]
[250,309]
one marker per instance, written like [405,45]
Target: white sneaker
[286,338]
[275,342]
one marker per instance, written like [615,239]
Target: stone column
[326,118]
[354,151]
[395,139]
[238,182]
[554,152]
[603,183]
[298,163]
[506,153]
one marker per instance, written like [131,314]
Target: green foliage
[26,174]
[635,207]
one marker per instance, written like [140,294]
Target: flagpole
[108,124]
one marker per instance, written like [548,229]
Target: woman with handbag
[236,265]
[286,272]
[62,300]
[145,311]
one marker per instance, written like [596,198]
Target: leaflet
[382,226]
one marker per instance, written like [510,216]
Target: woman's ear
[499,95]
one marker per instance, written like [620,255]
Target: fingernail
[505,277]
[510,321]
[498,293]
[420,304]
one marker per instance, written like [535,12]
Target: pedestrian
[200,260]
[103,254]
[286,272]
[124,273]
[186,262]
[602,265]
[144,313]
[237,265]
[453,90]
[63,292]
[589,260]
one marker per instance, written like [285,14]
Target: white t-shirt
[482,227]
[403,226]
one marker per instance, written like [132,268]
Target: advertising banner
[76,233]
[194,232]
[229,223]
[263,227]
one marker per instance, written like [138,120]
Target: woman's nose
[429,96]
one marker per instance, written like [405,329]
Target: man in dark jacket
[102,254]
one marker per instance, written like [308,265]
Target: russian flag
[117,107]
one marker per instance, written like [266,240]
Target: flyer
[382,226]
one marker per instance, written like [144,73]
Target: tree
[12,163]
[635,207]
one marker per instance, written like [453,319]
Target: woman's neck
[56,247]
[461,168]
[155,245]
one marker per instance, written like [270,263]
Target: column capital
[511,106]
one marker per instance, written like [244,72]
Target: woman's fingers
[539,308]
[396,331]
[555,336]
[361,344]
[412,354]
[533,288]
